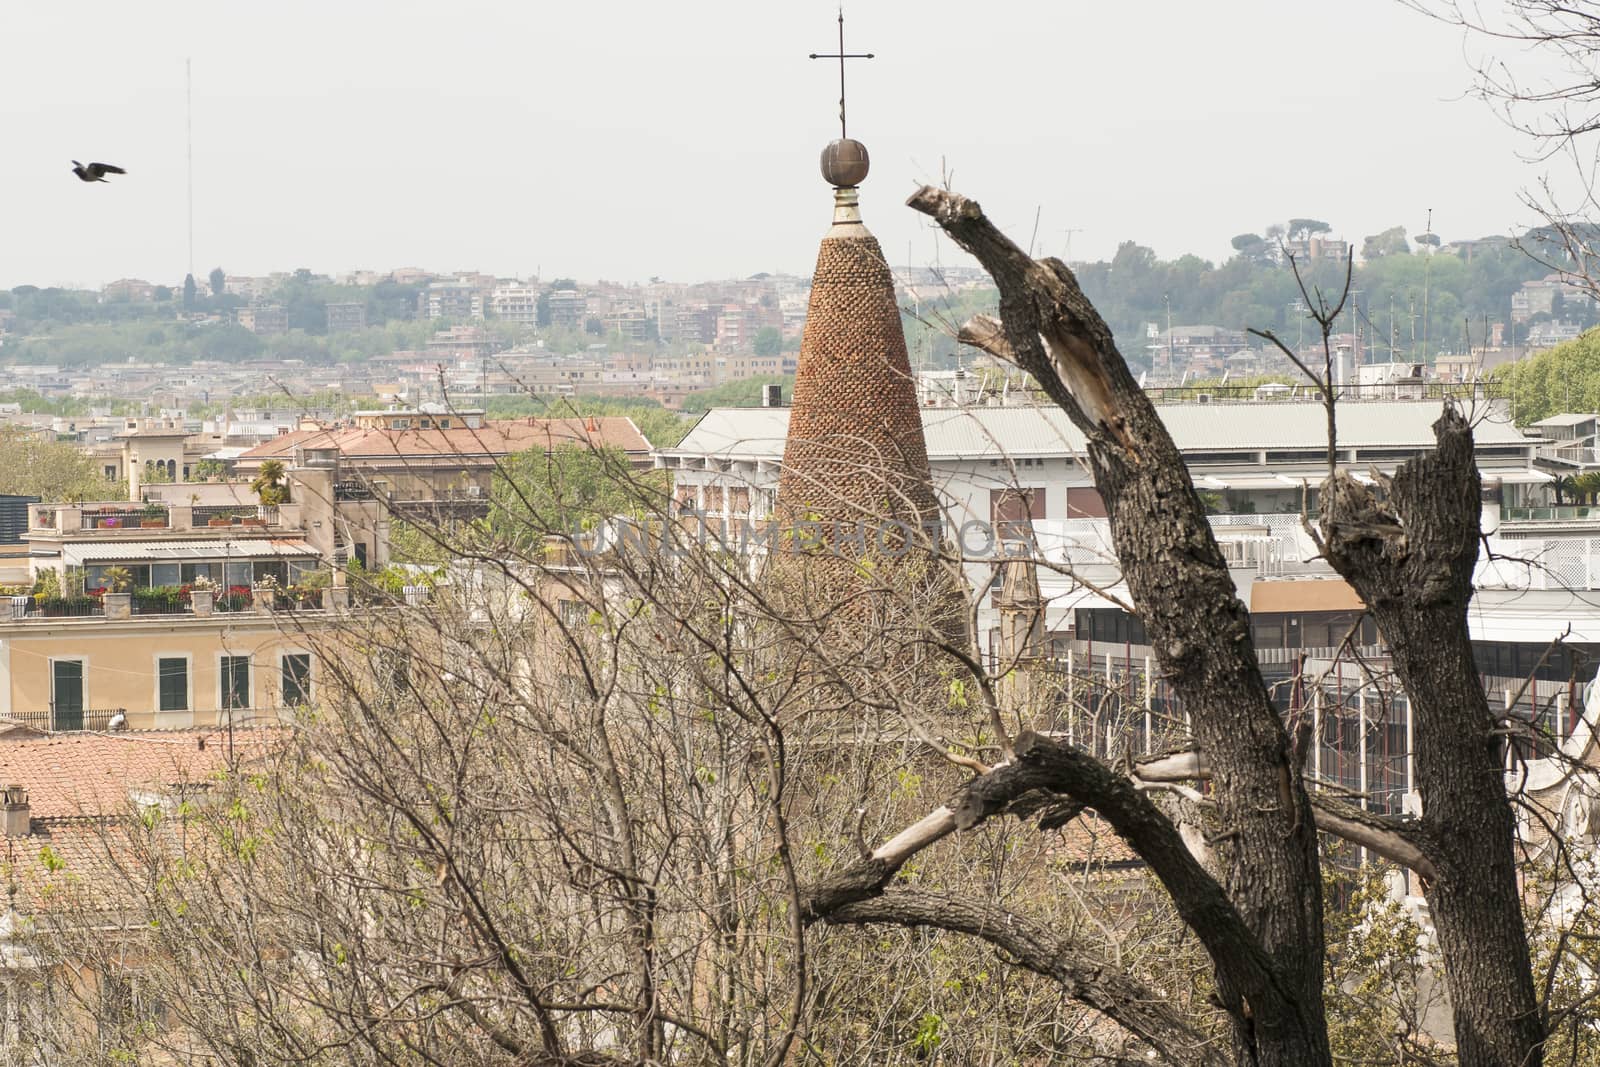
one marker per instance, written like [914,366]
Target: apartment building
[263,319]
[516,303]
[346,317]
[454,299]
[229,612]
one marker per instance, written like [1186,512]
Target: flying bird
[95,172]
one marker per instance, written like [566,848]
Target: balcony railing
[56,607]
[1552,513]
[125,519]
[238,600]
[235,515]
[63,718]
[1573,455]
[153,602]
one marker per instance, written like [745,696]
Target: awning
[1256,478]
[1320,594]
[1264,480]
[147,551]
[1526,477]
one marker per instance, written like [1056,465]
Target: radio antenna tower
[188,133]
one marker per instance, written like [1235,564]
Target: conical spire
[855,450]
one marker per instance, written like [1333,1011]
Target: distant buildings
[249,288]
[1551,295]
[568,309]
[455,299]
[1198,349]
[264,320]
[128,291]
[516,303]
[346,318]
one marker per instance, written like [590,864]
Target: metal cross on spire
[841,55]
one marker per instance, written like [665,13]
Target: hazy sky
[623,138]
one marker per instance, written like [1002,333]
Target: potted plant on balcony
[118,598]
[202,595]
[154,516]
[265,593]
[271,485]
[307,591]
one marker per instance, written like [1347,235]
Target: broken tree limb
[1411,557]
[1198,628]
[1249,980]
[1089,979]
[1397,840]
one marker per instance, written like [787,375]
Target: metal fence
[64,718]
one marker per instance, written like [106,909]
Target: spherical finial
[844,163]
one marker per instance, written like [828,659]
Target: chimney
[18,816]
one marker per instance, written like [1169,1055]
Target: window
[111,473]
[235,682]
[172,674]
[296,679]
[66,693]
[1010,510]
[1111,625]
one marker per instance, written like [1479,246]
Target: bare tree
[1262,922]
[1539,73]
[613,800]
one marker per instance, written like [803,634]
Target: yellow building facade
[161,671]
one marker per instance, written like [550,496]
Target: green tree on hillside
[1560,379]
[218,281]
[1390,242]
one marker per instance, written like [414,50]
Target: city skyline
[659,145]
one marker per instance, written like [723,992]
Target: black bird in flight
[94,172]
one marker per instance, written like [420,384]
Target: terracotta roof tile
[74,774]
[496,437]
[1090,841]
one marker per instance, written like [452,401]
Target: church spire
[855,453]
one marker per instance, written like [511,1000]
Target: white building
[1256,464]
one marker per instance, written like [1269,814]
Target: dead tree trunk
[1411,558]
[1199,629]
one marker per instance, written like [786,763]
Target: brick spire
[855,451]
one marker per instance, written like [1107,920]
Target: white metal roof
[984,432]
[1568,419]
[188,550]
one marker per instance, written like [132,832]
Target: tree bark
[1198,628]
[1411,559]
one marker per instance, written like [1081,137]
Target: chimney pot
[16,814]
